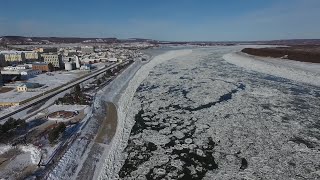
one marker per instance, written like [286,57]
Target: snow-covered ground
[49,82]
[200,117]
[23,159]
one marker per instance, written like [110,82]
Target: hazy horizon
[163,20]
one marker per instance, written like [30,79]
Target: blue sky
[178,20]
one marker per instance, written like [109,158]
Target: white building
[18,67]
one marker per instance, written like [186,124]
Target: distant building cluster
[19,65]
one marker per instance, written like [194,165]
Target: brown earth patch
[108,126]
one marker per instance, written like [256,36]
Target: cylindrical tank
[77,62]
[68,66]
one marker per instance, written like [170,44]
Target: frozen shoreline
[111,165]
[308,73]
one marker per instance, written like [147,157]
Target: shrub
[53,135]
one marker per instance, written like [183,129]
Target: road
[67,86]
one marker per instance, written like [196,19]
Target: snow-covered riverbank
[298,71]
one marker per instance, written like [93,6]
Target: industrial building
[71,62]
[68,66]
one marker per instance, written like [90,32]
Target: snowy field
[199,117]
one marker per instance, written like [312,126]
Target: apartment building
[12,56]
[30,55]
[54,59]
[18,56]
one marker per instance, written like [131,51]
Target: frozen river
[199,117]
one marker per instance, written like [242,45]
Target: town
[46,96]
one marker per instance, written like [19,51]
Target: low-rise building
[28,73]
[40,50]
[19,74]
[43,67]
[27,86]
[85,67]
[54,59]
[47,50]
[90,61]
[18,67]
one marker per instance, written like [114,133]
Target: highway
[67,86]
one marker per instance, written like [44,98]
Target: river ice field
[202,115]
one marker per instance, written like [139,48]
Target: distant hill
[292,42]
[50,40]
[306,53]
[5,40]
[289,42]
